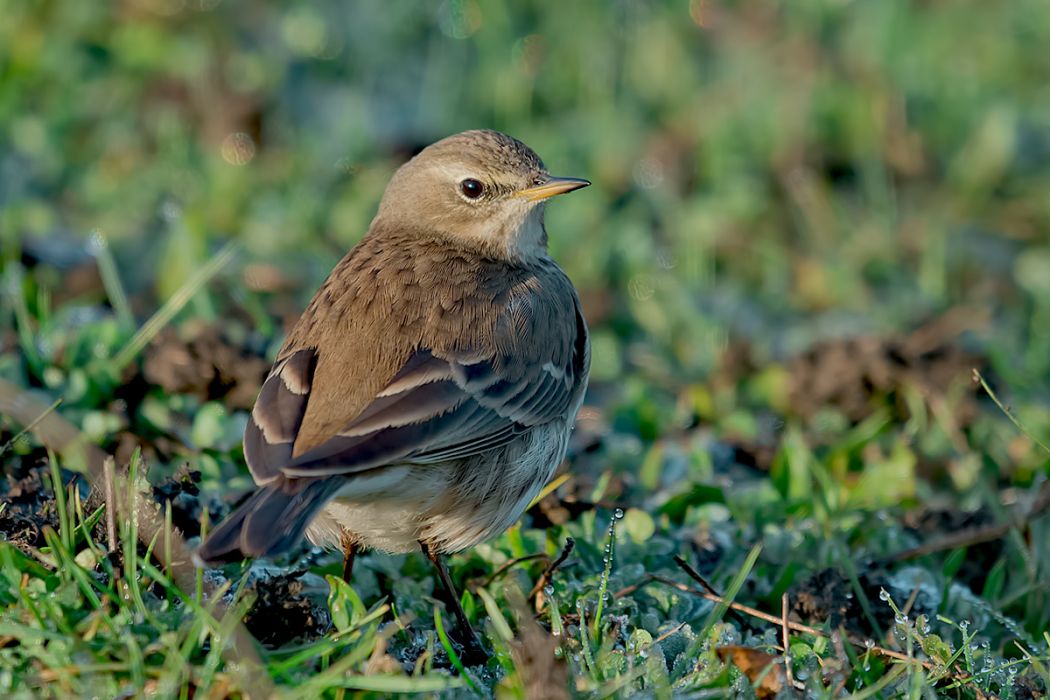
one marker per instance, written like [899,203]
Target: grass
[813,261]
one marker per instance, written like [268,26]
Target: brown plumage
[427,392]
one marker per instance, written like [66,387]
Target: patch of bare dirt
[934,523]
[205,362]
[828,595]
[29,502]
[187,506]
[284,611]
[857,374]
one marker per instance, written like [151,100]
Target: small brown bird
[427,393]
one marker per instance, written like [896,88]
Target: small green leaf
[936,648]
[344,604]
[639,525]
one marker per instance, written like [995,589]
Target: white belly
[449,506]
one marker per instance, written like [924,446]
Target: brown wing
[441,402]
[435,409]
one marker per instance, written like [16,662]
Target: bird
[427,393]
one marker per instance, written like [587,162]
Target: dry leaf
[762,669]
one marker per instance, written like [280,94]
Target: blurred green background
[784,172]
[767,176]
[809,222]
[781,173]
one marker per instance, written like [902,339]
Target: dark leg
[465,631]
[349,552]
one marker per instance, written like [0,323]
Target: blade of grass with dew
[549,489]
[223,636]
[979,378]
[452,655]
[846,562]
[131,536]
[729,596]
[879,685]
[585,639]
[341,669]
[23,322]
[607,562]
[499,623]
[65,561]
[86,523]
[172,306]
[327,646]
[557,626]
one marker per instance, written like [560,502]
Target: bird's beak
[553,186]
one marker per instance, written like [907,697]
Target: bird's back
[399,291]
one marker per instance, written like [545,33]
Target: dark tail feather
[270,522]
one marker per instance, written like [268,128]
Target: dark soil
[827,595]
[284,612]
[187,506]
[29,501]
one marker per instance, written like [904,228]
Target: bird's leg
[466,632]
[349,552]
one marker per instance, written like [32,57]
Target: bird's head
[482,189]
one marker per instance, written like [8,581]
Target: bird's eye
[471,188]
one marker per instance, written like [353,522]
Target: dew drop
[97,242]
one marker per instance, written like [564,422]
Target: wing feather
[440,405]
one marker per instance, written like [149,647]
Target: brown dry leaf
[544,675]
[763,670]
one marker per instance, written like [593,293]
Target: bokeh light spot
[238,148]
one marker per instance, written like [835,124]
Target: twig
[980,535]
[110,494]
[773,619]
[669,632]
[545,577]
[508,564]
[785,634]
[695,575]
